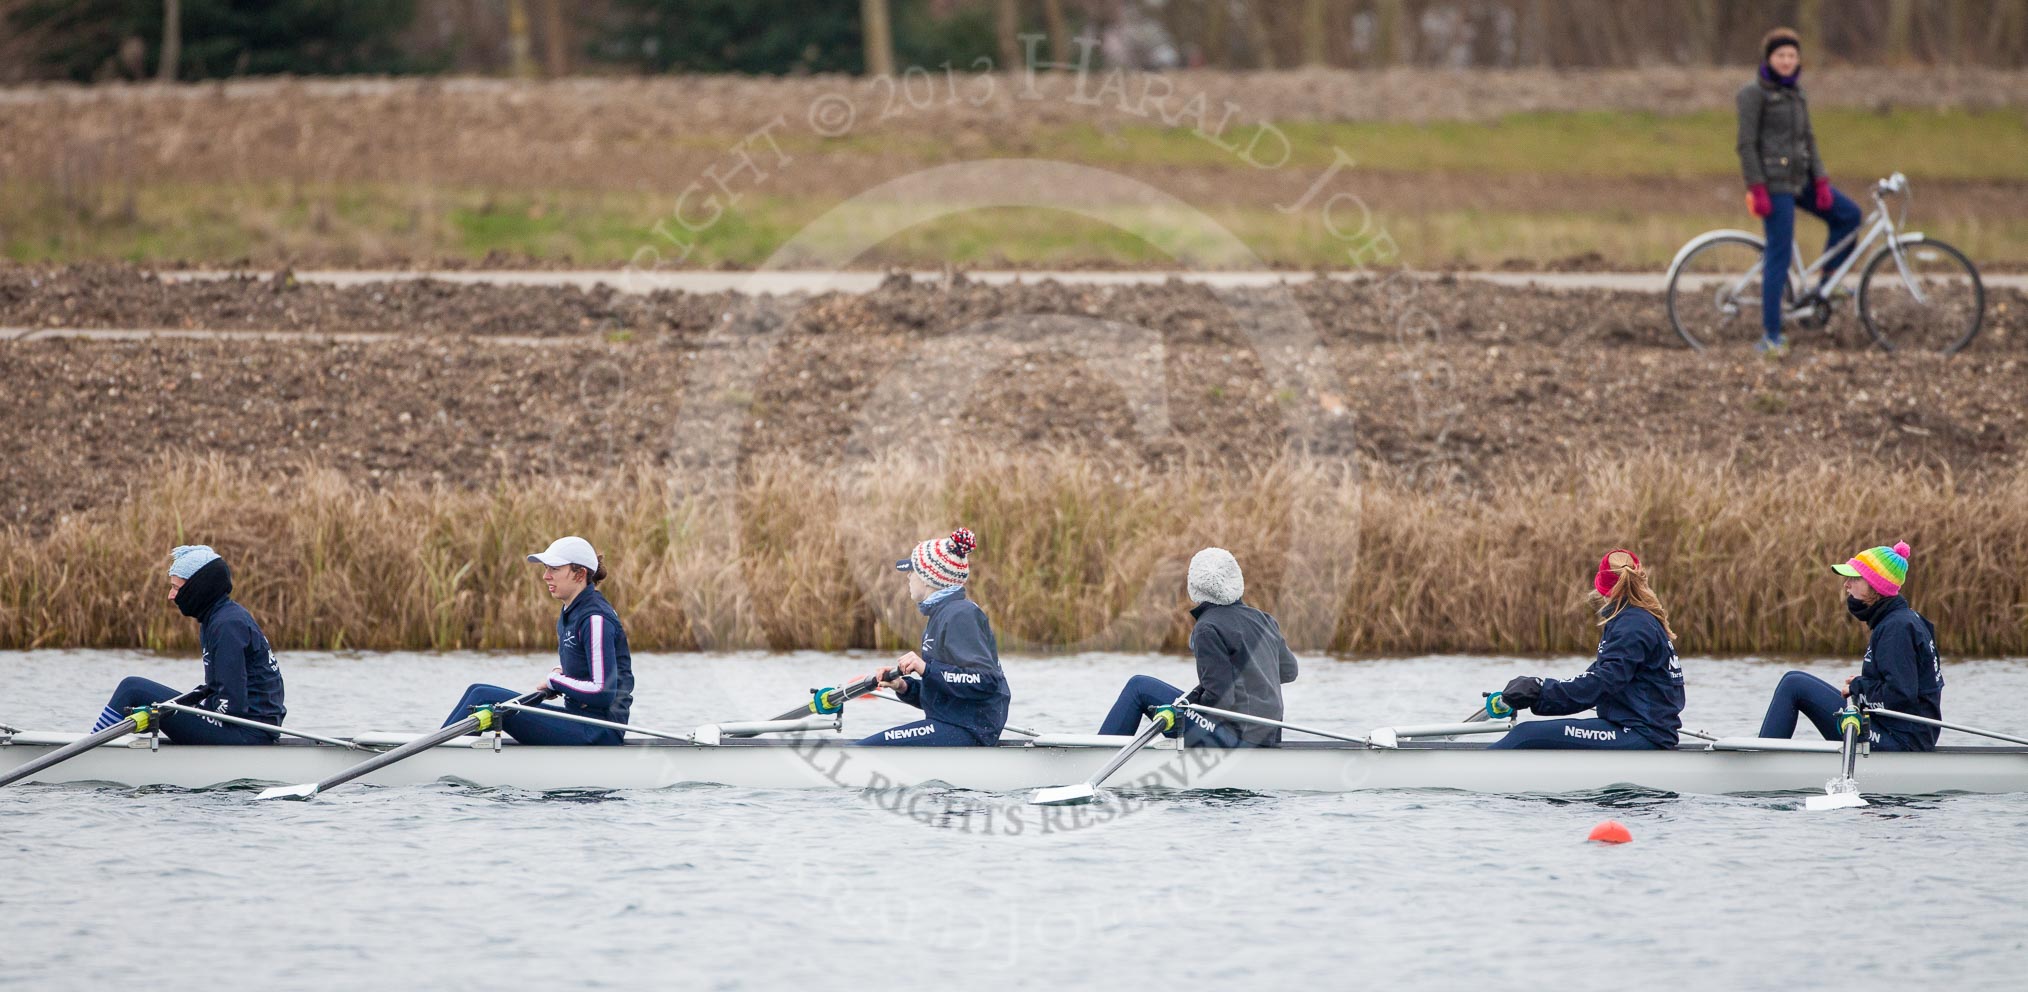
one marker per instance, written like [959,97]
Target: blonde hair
[1632,589]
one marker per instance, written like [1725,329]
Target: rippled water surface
[710,887]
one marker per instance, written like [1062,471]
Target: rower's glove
[1166,717]
[1523,693]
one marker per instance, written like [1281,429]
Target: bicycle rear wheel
[1714,297]
[1939,307]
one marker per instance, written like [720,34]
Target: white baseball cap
[571,550]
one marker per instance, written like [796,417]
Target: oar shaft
[625,728]
[75,748]
[68,751]
[386,758]
[272,728]
[1960,728]
[1139,742]
[1266,722]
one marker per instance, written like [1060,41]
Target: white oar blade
[304,791]
[1833,800]
[1064,795]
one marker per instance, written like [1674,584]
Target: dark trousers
[180,728]
[528,728]
[1144,691]
[1803,694]
[926,733]
[1780,225]
[1571,735]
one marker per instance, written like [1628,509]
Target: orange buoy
[1610,832]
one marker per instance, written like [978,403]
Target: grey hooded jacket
[1776,144]
[1242,663]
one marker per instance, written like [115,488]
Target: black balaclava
[204,589]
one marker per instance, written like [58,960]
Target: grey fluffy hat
[1215,577]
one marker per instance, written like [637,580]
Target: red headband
[1608,577]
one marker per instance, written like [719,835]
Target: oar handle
[831,699]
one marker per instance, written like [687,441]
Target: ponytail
[1632,589]
[593,576]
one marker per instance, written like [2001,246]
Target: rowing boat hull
[814,763]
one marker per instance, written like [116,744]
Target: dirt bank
[1453,382]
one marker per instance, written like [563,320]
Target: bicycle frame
[1882,225]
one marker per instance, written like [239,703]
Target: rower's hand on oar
[885,678]
[1165,717]
[1522,693]
[909,664]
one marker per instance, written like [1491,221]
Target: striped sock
[107,717]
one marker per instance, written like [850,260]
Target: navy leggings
[1780,225]
[925,733]
[1803,694]
[528,728]
[1572,735]
[180,728]
[1144,691]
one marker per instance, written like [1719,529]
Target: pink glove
[1757,201]
[1823,194]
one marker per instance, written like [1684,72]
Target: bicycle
[1931,300]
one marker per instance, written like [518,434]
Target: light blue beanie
[186,560]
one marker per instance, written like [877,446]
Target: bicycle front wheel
[1937,305]
[1714,297]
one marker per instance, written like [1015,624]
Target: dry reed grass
[1075,553]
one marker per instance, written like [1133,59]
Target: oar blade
[303,791]
[1835,800]
[1064,795]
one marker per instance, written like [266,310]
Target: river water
[721,888]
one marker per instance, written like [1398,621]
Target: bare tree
[1900,19]
[556,37]
[1213,41]
[1059,31]
[517,38]
[1007,29]
[1390,30]
[172,40]
[1258,36]
[879,29]
[1315,32]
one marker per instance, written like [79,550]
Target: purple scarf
[1768,75]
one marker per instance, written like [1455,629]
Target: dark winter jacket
[1903,673]
[1242,663]
[961,683]
[598,672]
[240,671]
[1776,144]
[1634,683]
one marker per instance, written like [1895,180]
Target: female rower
[594,674]
[241,677]
[1635,684]
[1242,663]
[957,681]
[1901,671]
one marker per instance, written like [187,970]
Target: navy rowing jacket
[961,684]
[239,669]
[1635,682]
[1903,673]
[598,673]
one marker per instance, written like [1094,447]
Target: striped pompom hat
[1885,569]
[942,561]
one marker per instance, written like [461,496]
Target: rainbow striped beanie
[1885,569]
